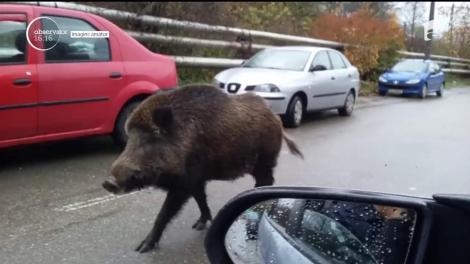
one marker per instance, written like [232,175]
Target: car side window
[12,41]
[75,49]
[337,61]
[321,58]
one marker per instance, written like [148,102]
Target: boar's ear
[163,118]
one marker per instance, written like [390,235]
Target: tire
[349,103]
[424,91]
[382,93]
[119,133]
[440,91]
[295,111]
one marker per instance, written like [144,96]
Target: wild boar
[180,140]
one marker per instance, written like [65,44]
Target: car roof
[43,8]
[303,48]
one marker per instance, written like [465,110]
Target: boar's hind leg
[199,194]
[263,173]
[173,203]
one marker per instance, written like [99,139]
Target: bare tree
[414,16]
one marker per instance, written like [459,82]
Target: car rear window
[12,40]
[75,49]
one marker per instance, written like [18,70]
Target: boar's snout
[111,186]
[124,178]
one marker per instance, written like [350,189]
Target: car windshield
[282,59]
[410,66]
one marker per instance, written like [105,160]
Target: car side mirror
[323,225]
[318,67]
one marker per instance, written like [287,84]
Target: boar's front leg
[199,194]
[173,203]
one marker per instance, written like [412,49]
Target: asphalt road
[54,210]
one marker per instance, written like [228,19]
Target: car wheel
[382,93]
[424,91]
[349,103]
[119,133]
[295,111]
[440,91]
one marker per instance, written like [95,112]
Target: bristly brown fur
[182,139]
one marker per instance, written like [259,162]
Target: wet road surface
[54,210]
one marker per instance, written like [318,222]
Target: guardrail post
[246,42]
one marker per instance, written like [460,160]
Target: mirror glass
[321,231]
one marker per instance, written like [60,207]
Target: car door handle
[22,81]
[349,75]
[333,78]
[115,75]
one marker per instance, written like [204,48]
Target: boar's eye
[163,118]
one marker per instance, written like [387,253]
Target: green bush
[190,75]
[368,88]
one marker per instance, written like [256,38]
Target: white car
[296,79]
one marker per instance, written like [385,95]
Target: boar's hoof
[199,225]
[145,246]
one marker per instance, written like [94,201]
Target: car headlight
[382,79]
[265,88]
[413,81]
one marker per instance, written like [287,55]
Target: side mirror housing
[318,67]
[334,219]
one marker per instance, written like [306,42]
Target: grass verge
[457,80]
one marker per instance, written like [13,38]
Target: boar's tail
[293,148]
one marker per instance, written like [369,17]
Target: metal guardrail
[160,21]
[460,71]
[207,62]
[193,41]
[438,57]
[225,62]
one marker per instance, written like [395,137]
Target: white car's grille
[233,87]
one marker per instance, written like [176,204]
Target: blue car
[413,77]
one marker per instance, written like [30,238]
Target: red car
[54,86]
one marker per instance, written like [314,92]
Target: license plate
[395,91]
